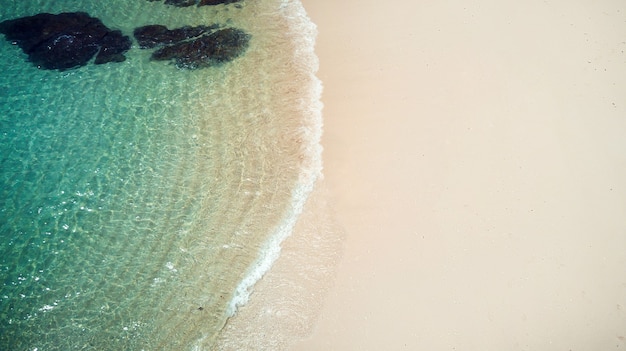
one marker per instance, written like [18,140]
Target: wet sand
[475,158]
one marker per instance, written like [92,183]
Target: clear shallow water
[136,197]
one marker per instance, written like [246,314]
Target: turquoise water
[136,197]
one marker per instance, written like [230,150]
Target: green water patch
[96,209]
[92,200]
[138,198]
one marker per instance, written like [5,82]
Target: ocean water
[140,202]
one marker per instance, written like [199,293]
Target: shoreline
[272,305]
[474,159]
[310,151]
[304,142]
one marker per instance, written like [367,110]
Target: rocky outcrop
[187,3]
[155,35]
[65,40]
[193,47]
[216,2]
[69,40]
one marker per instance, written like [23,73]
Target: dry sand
[476,156]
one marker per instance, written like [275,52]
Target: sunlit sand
[475,157]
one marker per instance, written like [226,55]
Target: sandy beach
[475,158]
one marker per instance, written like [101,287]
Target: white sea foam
[303,32]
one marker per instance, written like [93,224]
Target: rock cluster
[66,40]
[72,39]
[155,35]
[187,3]
[193,47]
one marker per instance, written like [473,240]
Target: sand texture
[476,156]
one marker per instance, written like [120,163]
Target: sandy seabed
[475,158]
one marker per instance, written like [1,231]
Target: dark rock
[63,51]
[157,35]
[65,40]
[113,47]
[208,50]
[187,3]
[180,3]
[216,2]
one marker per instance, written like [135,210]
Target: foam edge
[304,33]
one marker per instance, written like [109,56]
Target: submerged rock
[72,39]
[193,47]
[66,40]
[113,47]
[216,2]
[155,35]
[180,3]
[187,3]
